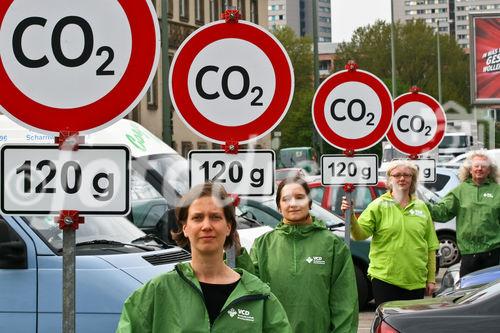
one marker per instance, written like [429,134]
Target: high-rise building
[448,16]
[297,14]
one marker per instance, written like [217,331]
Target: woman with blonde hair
[476,206]
[404,242]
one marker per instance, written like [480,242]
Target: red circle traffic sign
[352,110]
[231,82]
[75,72]
[419,124]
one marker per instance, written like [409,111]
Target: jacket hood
[301,230]
[250,285]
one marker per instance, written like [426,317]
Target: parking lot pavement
[366,316]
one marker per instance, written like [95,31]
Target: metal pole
[315,56]
[69,280]
[393,52]
[165,64]
[439,64]
[348,213]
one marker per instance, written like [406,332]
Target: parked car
[264,210]
[113,258]
[446,180]
[453,282]
[330,198]
[478,311]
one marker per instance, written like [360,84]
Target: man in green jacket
[476,205]
[308,268]
[173,302]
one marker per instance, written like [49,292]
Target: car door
[18,279]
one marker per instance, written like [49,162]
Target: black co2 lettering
[234,95]
[88,44]
[354,105]
[415,124]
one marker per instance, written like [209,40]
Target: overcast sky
[348,15]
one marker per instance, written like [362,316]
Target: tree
[416,59]
[296,127]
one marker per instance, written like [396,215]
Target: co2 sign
[231,81]
[352,110]
[41,179]
[418,124]
[250,172]
[340,169]
[75,65]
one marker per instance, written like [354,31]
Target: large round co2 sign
[72,65]
[231,81]
[418,124]
[352,110]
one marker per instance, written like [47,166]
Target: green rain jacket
[173,302]
[402,239]
[477,209]
[311,272]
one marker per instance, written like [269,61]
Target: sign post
[419,126]
[69,73]
[352,110]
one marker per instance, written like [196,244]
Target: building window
[254,11]
[183,10]
[186,147]
[170,11]
[214,10]
[225,5]
[152,94]
[199,12]
[202,145]
[241,8]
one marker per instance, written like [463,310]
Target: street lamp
[393,52]
[439,60]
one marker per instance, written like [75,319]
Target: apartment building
[297,14]
[448,16]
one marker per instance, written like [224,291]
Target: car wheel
[363,287]
[448,248]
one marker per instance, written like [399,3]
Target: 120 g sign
[340,169]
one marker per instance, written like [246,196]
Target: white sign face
[41,179]
[249,173]
[414,124]
[357,170]
[352,110]
[62,47]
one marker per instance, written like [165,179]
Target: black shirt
[215,296]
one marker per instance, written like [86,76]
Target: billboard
[485,58]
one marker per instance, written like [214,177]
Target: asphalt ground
[366,316]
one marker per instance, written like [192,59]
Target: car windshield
[173,169]
[109,228]
[488,291]
[458,141]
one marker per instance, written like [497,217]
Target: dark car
[265,211]
[330,197]
[478,311]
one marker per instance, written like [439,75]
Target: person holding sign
[308,267]
[404,242]
[476,206]
[205,295]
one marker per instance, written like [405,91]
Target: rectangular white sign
[356,170]
[426,170]
[249,173]
[41,179]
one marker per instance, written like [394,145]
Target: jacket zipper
[189,282]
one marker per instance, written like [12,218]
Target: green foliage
[296,127]
[416,59]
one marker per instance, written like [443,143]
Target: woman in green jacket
[205,295]
[308,268]
[476,205]
[404,242]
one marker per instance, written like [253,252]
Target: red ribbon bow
[231,16]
